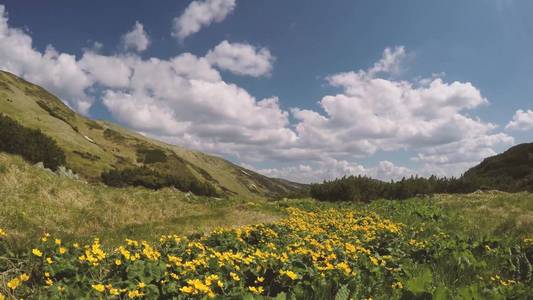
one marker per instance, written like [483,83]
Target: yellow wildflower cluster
[498,280]
[37,252]
[3,233]
[17,281]
[259,259]
[418,244]
[199,287]
[397,285]
[93,254]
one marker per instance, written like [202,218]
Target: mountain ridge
[95,146]
[509,170]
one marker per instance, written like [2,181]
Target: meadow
[66,239]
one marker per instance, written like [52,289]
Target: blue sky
[300,53]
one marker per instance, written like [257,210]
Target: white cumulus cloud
[330,168]
[373,113]
[58,72]
[185,100]
[390,61]
[241,59]
[201,13]
[522,120]
[136,39]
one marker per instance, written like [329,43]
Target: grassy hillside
[473,246]
[34,200]
[92,147]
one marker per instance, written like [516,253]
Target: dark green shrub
[151,156]
[146,177]
[362,188]
[31,144]
[114,136]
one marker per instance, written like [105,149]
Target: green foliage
[362,188]
[511,171]
[93,125]
[87,155]
[341,253]
[114,136]
[152,179]
[150,156]
[31,144]
[343,293]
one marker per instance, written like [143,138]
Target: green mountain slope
[512,169]
[92,147]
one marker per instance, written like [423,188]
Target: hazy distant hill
[92,147]
[512,169]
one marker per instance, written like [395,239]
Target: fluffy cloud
[241,59]
[390,62]
[454,158]
[331,168]
[522,120]
[184,100]
[429,117]
[98,66]
[201,13]
[58,72]
[136,39]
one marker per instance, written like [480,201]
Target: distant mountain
[92,147]
[511,170]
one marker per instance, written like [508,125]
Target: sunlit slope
[34,200]
[95,146]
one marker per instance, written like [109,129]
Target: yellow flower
[2,234]
[24,277]
[260,279]
[397,285]
[49,260]
[62,250]
[98,287]
[76,245]
[256,290]
[141,285]
[45,237]
[289,274]
[37,252]
[14,283]
[135,294]
[57,241]
[187,289]
[234,276]
[46,274]
[114,291]
[17,281]
[49,281]
[2,297]
[118,262]
[344,267]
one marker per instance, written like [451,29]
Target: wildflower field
[386,250]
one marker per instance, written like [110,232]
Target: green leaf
[421,283]
[343,293]
[281,296]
